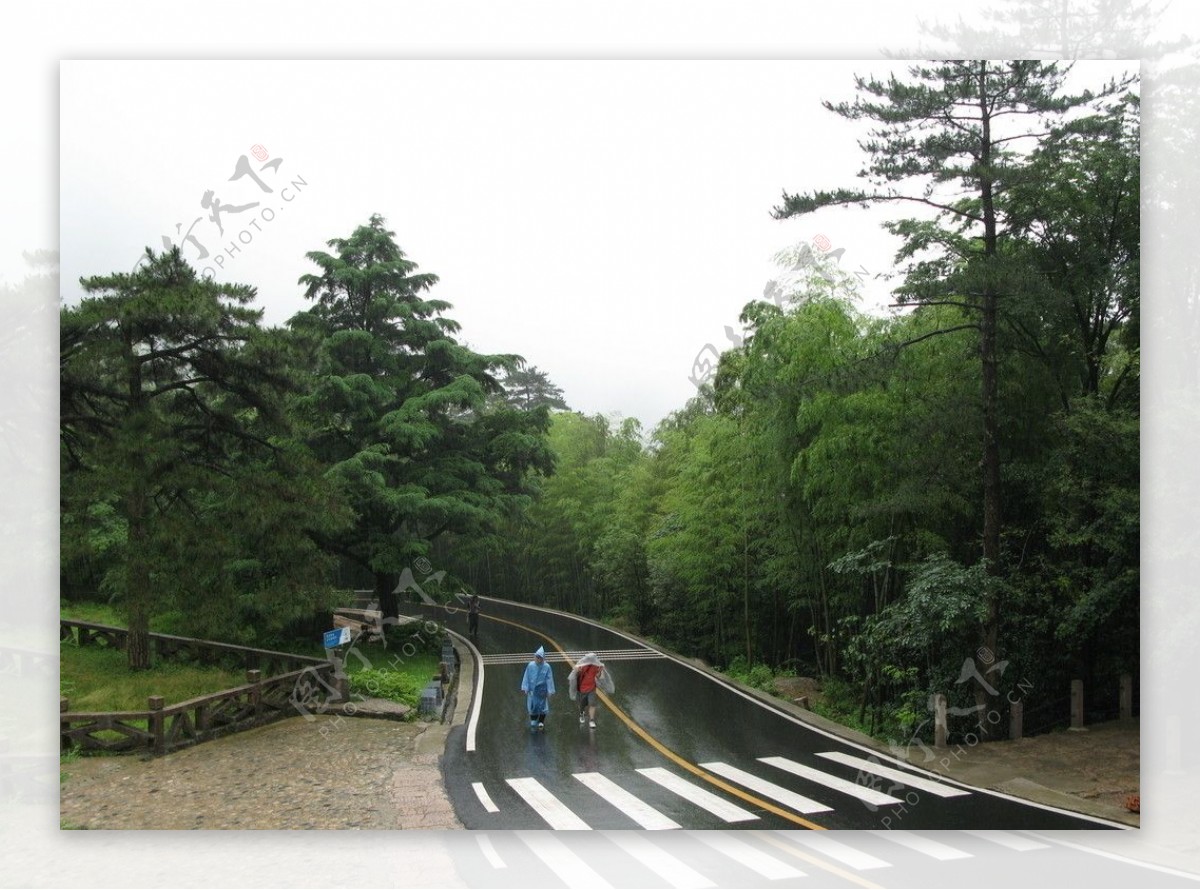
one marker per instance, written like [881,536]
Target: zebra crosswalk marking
[821,842]
[907,779]
[633,807]
[936,849]
[863,793]
[1008,839]
[785,796]
[604,655]
[671,869]
[489,851]
[701,797]
[546,805]
[744,854]
[562,860]
[485,798]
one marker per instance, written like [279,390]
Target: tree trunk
[990,462]
[138,595]
[385,592]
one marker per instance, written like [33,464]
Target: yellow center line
[667,752]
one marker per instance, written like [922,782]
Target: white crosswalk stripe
[1008,839]
[546,805]
[489,851]
[670,868]
[562,860]
[633,807]
[785,796]
[863,793]
[821,842]
[929,847]
[605,655]
[701,797]
[744,854]
[485,798]
[907,779]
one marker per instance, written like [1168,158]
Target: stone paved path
[328,772]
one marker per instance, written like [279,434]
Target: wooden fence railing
[299,686]
[85,633]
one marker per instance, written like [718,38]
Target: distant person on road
[473,615]
[538,685]
[583,685]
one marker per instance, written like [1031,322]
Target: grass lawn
[98,679]
[96,613]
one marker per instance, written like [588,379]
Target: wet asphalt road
[668,722]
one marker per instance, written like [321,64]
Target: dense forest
[895,505]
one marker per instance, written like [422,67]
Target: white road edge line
[1165,869]
[477,700]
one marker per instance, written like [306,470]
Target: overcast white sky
[605,220]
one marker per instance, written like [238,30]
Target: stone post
[64,741]
[1016,720]
[940,729]
[1126,697]
[1076,704]
[157,728]
[254,678]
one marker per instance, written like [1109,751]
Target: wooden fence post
[64,726]
[1126,697]
[1016,719]
[255,678]
[156,724]
[1076,704]
[940,729]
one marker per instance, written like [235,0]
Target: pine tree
[165,380]
[398,409]
[953,134]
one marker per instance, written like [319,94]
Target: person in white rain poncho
[587,678]
[538,686]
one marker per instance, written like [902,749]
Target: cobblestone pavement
[327,772]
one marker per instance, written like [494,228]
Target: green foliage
[173,433]
[397,672]
[759,676]
[393,685]
[398,412]
[824,499]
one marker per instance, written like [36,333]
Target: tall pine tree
[398,410]
[952,134]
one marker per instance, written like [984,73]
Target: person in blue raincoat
[538,685]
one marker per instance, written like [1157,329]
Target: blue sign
[336,637]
